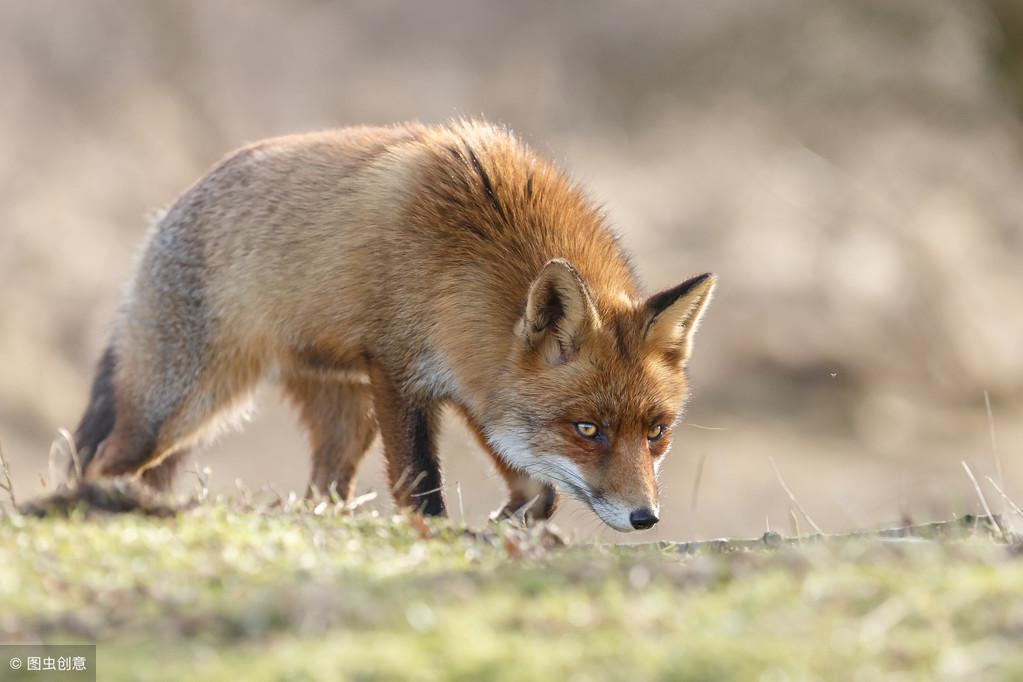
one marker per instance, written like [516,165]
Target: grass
[229,590]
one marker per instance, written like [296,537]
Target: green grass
[228,592]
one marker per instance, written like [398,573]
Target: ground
[285,590]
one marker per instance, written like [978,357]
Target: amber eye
[656,432]
[587,430]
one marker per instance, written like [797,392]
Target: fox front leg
[408,428]
[529,500]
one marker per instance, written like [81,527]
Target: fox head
[593,398]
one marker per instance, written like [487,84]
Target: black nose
[642,519]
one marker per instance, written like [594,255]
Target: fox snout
[624,516]
[628,500]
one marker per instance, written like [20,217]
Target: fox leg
[163,405]
[339,417]
[161,477]
[151,451]
[408,429]
[129,446]
[529,499]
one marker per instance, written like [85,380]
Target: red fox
[378,274]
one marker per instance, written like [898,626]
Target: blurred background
[852,171]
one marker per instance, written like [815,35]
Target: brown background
[851,170]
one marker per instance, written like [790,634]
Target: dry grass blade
[697,480]
[7,485]
[983,500]
[73,451]
[360,500]
[62,450]
[427,492]
[792,498]
[994,440]
[794,523]
[1012,505]
[202,477]
[334,494]
[461,506]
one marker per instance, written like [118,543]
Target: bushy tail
[98,420]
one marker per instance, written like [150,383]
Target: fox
[379,274]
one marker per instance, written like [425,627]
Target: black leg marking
[426,484]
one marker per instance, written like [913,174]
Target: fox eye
[586,429]
[656,432]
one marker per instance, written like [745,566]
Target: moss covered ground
[231,591]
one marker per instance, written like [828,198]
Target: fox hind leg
[161,477]
[338,414]
[158,414]
[129,446]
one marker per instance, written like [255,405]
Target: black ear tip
[707,281]
[696,282]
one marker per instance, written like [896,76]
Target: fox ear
[675,314]
[559,313]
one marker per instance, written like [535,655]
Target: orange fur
[383,272]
